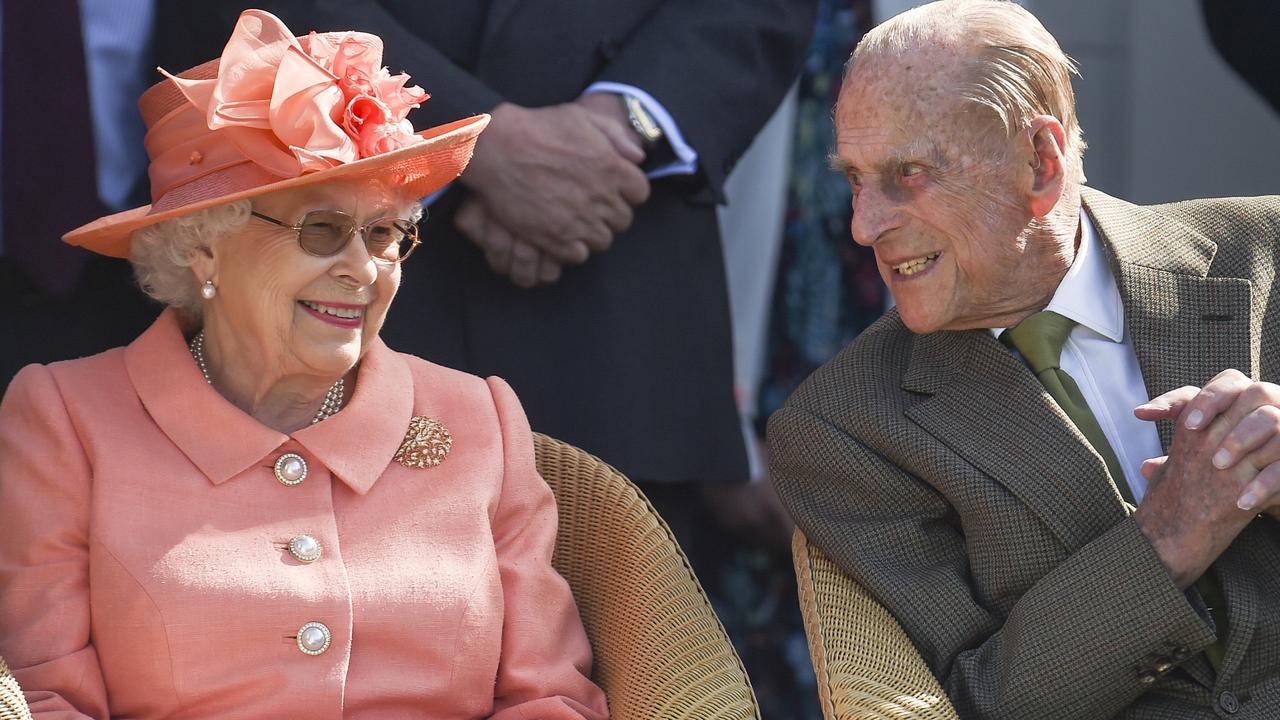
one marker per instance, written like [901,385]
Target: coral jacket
[145,570]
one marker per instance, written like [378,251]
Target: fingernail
[1194,418]
[1247,501]
[1221,459]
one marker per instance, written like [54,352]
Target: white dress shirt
[686,162]
[1099,356]
[117,54]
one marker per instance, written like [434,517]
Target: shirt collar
[223,441]
[1088,293]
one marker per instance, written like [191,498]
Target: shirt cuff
[427,201]
[686,162]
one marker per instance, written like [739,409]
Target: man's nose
[874,214]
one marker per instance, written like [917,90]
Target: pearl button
[314,638]
[305,548]
[291,469]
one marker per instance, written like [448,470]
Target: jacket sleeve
[545,668]
[44,553]
[1074,644]
[720,67]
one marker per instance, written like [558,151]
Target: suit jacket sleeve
[455,92]
[1074,642]
[44,553]
[720,67]
[545,667]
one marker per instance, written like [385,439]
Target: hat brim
[422,169]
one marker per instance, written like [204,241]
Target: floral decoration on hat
[300,105]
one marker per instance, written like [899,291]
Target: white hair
[162,254]
[1016,69]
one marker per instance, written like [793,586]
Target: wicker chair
[660,651]
[13,706]
[866,665]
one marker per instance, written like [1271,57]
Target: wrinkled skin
[266,352]
[931,174]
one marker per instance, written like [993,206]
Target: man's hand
[526,265]
[1189,512]
[1251,409]
[563,178]
[611,115]
[1196,503]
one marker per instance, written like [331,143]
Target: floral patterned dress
[827,290]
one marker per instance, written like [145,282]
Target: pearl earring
[207,291]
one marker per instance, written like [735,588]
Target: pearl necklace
[332,399]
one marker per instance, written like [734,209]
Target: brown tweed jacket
[939,474]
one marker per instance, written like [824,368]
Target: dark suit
[937,472]
[1244,33]
[629,355]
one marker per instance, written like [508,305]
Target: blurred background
[1166,117]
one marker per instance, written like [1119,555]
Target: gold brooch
[426,444]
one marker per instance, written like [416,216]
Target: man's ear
[1045,161]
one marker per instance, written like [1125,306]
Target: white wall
[1165,117]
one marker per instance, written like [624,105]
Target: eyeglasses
[324,233]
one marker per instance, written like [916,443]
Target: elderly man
[975,459]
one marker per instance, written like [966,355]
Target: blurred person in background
[64,168]
[1244,33]
[800,291]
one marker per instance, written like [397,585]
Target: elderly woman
[257,509]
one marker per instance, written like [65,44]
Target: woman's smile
[344,315]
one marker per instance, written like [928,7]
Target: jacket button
[1146,677]
[314,638]
[1228,703]
[291,469]
[1162,667]
[305,548]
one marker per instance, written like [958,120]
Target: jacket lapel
[1186,327]
[989,408]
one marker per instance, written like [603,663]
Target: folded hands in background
[551,186]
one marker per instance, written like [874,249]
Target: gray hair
[1017,69]
[162,254]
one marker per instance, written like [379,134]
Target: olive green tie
[1039,339]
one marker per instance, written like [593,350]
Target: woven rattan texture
[867,667]
[13,706]
[660,651]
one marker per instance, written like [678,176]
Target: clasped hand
[551,186]
[1223,468]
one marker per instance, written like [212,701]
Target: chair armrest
[13,704]
[659,649]
[866,665]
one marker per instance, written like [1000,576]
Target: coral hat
[277,112]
